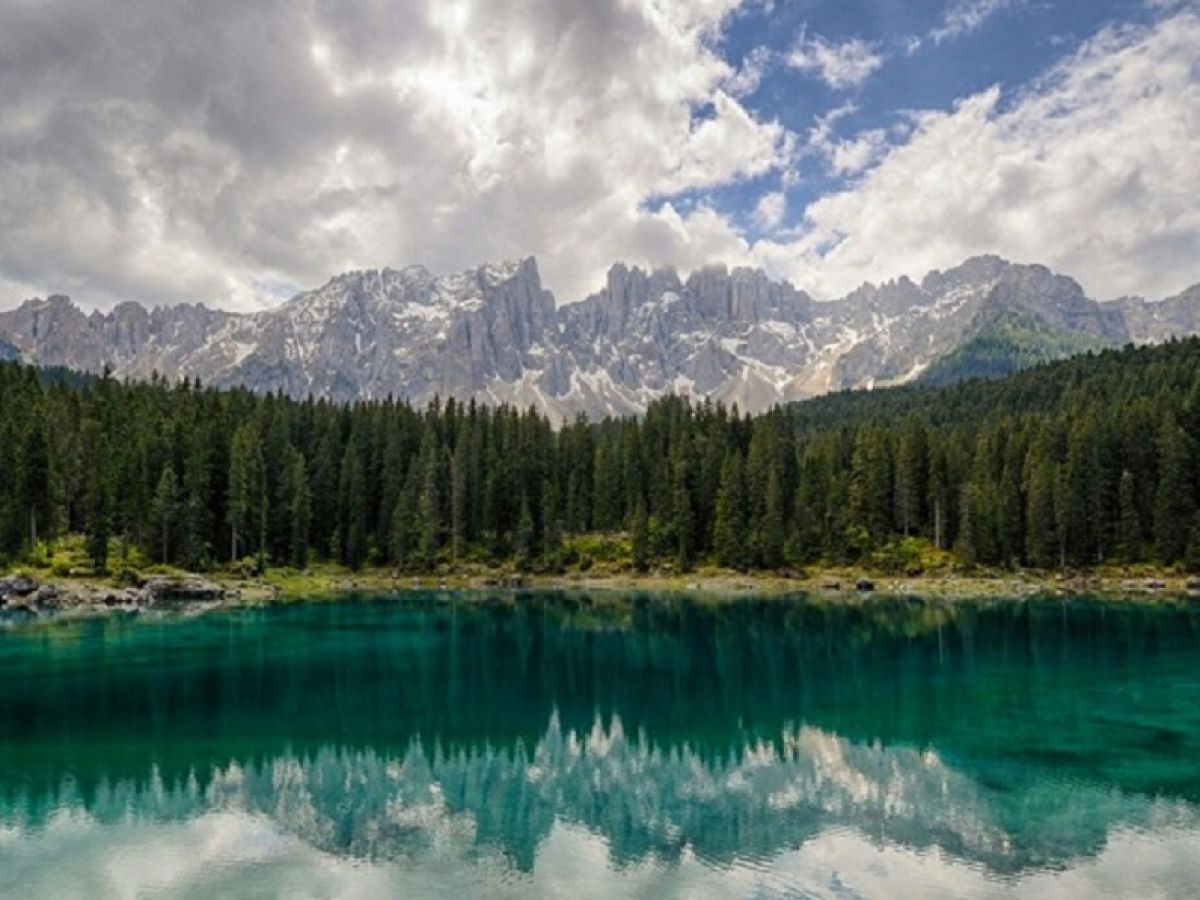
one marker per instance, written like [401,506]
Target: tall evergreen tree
[429,504]
[769,535]
[524,539]
[165,509]
[298,500]
[33,476]
[247,493]
[1041,538]
[551,527]
[912,476]
[871,497]
[99,499]
[1175,504]
[683,517]
[459,501]
[639,535]
[354,506]
[404,533]
[1129,527]
[729,526]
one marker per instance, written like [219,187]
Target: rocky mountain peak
[495,333]
[975,271]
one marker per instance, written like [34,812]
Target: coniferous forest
[1095,460]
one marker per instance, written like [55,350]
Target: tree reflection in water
[1010,735]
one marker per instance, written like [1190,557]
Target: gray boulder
[17,586]
[161,590]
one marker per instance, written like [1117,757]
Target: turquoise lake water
[544,745]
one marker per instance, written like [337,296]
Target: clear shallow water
[424,747]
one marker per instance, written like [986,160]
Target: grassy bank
[593,562]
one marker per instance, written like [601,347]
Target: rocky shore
[25,599]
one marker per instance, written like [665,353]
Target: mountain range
[496,334]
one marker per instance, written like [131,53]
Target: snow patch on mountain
[494,333]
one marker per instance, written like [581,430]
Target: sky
[234,153]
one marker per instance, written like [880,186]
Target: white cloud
[156,151]
[853,156]
[966,16]
[841,66]
[752,71]
[218,853]
[770,210]
[849,156]
[283,143]
[1092,170]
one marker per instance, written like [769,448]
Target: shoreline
[39,598]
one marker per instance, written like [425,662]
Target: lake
[567,745]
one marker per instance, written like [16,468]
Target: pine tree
[11,530]
[871,493]
[99,518]
[912,476]
[1081,518]
[165,509]
[247,493]
[639,536]
[729,526]
[810,515]
[99,500]
[459,502]
[970,529]
[524,537]
[551,528]
[404,522]
[683,519]
[352,489]
[325,481]
[1191,556]
[940,493]
[429,504]
[1041,538]
[195,520]
[1174,503]
[769,534]
[33,476]
[277,471]
[1129,528]
[492,514]
[608,488]
[298,499]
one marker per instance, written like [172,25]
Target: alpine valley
[496,334]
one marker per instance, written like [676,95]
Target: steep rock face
[368,334]
[496,334]
[168,339]
[905,327]
[1152,322]
[719,333]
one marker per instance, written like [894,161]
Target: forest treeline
[1092,460]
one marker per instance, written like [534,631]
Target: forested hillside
[1007,344]
[1092,460]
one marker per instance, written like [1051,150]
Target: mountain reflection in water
[1011,738]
